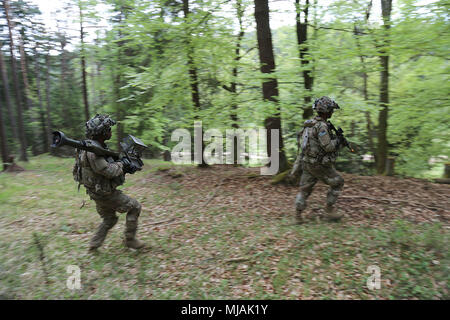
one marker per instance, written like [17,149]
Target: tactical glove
[128,167]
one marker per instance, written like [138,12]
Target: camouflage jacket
[99,175]
[318,144]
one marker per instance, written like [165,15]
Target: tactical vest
[312,151]
[93,181]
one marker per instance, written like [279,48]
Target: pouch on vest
[76,171]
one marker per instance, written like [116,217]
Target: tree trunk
[357,32]
[269,86]
[195,93]
[3,144]
[390,163]
[29,103]
[233,87]
[386,7]
[47,95]
[118,113]
[118,81]
[22,138]
[45,130]
[5,80]
[83,67]
[302,37]
[64,92]
[447,170]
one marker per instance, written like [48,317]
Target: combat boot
[102,232]
[130,236]
[99,237]
[332,214]
[134,243]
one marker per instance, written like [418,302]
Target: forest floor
[223,233]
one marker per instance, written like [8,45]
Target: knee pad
[134,213]
[336,182]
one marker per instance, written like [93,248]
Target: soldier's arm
[103,167]
[328,144]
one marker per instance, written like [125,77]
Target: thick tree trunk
[12,119]
[302,37]
[382,152]
[22,138]
[269,86]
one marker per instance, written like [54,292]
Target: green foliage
[138,71]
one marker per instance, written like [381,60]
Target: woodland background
[159,65]
[227,232]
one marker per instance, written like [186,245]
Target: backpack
[304,141]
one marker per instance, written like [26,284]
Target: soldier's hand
[132,169]
[127,166]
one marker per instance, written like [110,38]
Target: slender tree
[12,119]
[270,85]
[47,97]
[358,32]
[22,138]
[194,83]
[45,130]
[26,85]
[232,88]
[302,38]
[83,62]
[3,144]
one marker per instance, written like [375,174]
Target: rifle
[340,134]
[132,148]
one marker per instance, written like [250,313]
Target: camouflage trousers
[313,173]
[107,206]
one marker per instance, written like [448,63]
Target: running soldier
[319,152]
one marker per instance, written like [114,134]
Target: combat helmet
[98,125]
[325,105]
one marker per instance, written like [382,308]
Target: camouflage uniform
[319,153]
[101,177]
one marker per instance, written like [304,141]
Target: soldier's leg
[133,209]
[307,182]
[109,220]
[336,183]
